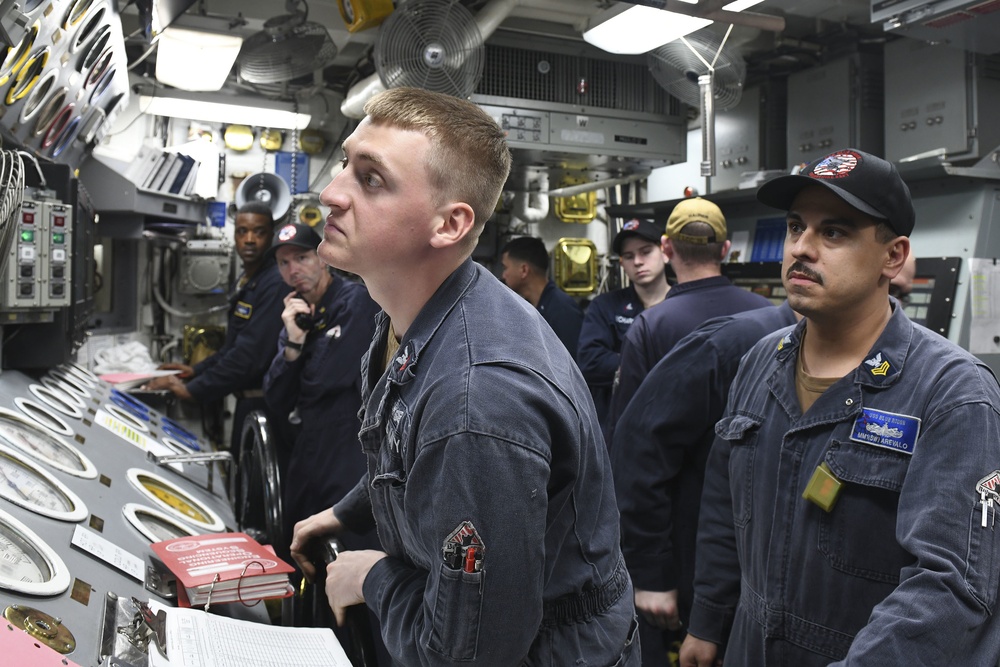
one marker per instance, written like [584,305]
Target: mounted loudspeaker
[268,188]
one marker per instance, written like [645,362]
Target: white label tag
[110,553]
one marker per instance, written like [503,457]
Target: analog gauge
[64,390]
[27,436]
[73,383]
[82,373]
[174,500]
[44,416]
[24,483]
[27,564]
[56,399]
[178,432]
[176,446]
[127,417]
[155,525]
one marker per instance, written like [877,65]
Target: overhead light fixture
[228,109]
[633,29]
[740,5]
[195,60]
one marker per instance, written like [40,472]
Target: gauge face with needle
[24,483]
[174,500]
[20,433]
[27,563]
[156,526]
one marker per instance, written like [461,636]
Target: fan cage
[275,56]
[431,44]
[675,67]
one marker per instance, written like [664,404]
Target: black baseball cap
[642,228]
[297,234]
[866,182]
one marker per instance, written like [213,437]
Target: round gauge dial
[155,525]
[66,393]
[30,438]
[82,373]
[69,382]
[56,399]
[127,417]
[24,483]
[27,563]
[44,416]
[174,500]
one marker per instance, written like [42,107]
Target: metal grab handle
[362,648]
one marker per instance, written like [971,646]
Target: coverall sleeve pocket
[457,609]
[740,432]
[858,536]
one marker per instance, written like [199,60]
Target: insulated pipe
[582,188]
[532,205]
[488,19]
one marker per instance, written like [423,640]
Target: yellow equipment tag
[823,488]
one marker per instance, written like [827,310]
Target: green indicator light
[28,237]
[58,238]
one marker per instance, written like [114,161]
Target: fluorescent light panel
[637,29]
[740,5]
[257,112]
[195,60]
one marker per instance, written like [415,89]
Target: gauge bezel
[31,408]
[79,511]
[131,512]
[216,524]
[59,578]
[89,470]
[55,399]
[123,415]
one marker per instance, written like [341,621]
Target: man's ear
[725,248]
[456,223]
[667,247]
[896,254]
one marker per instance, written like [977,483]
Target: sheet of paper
[984,332]
[196,638]
[109,552]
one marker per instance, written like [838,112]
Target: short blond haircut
[469,158]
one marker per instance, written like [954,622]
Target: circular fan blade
[288,47]
[676,68]
[430,44]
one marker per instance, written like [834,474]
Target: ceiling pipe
[583,188]
[488,19]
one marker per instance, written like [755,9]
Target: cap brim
[782,191]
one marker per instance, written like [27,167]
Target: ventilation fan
[288,47]
[701,72]
[431,44]
[677,65]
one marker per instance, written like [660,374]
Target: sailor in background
[315,379]
[610,315]
[251,332]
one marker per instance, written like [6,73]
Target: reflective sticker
[243,309]
[887,429]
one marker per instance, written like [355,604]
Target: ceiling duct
[488,19]
[972,25]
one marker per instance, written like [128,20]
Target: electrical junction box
[204,267]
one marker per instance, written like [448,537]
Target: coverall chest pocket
[387,441]
[858,536]
[740,432]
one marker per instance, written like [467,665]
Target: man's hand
[345,577]
[659,608]
[699,653]
[295,305]
[171,383]
[185,370]
[318,525]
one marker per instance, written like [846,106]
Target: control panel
[39,261]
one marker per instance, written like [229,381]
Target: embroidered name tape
[887,429]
